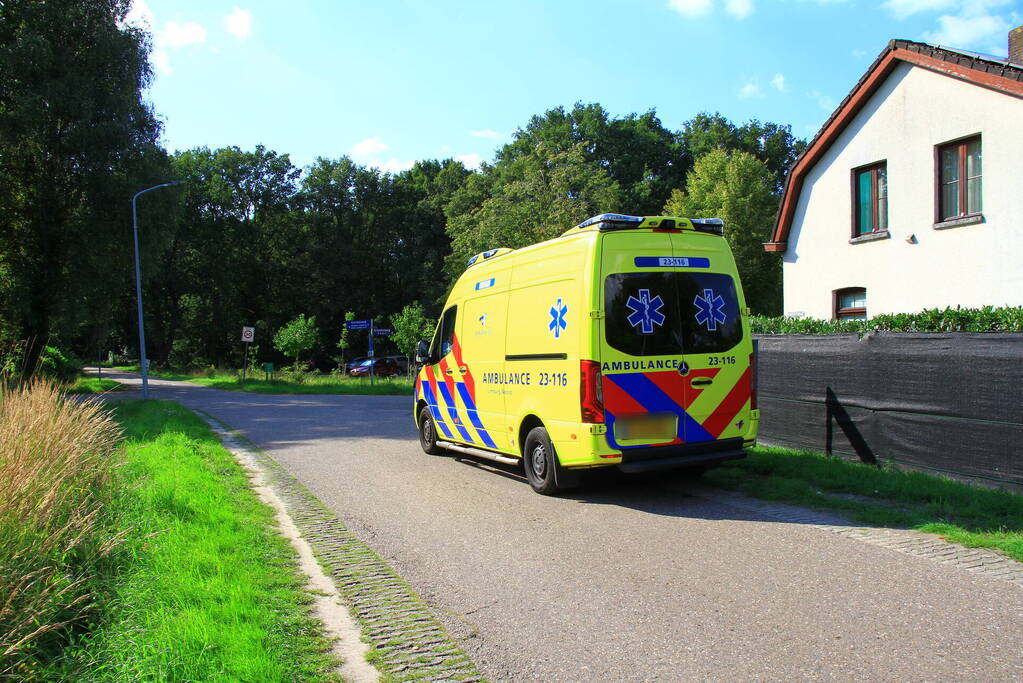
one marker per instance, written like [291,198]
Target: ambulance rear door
[716,354]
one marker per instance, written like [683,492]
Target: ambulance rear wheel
[539,459]
[428,432]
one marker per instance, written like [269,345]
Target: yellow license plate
[654,427]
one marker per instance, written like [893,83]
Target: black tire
[428,432]
[539,460]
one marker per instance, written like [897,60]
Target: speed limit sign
[248,334]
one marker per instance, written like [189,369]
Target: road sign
[382,331]
[248,334]
[359,324]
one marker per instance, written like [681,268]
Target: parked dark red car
[384,367]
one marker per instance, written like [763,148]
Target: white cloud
[368,152]
[180,35]
[690,8]
[823,101]
[740,9]
[778,82]
[964,24]
[750,90]
[470,160]
[907,8]
[239,22]
[859,54]
[139,16]
[161,60]
[487,133]
[974,25]
[369,147]
[392,165]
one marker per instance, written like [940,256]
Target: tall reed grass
[56,459]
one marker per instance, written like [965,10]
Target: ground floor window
[850,303]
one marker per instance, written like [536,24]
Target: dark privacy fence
[949,402]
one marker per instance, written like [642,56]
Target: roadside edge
[408,642]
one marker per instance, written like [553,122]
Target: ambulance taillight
[591,394]
[753,380]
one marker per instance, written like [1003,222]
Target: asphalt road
[637,580]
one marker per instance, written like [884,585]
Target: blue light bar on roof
[613,218]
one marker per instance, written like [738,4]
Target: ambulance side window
[445,334]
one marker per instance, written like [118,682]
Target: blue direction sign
[359,324]
[382,331]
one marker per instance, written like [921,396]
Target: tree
[410,326]
[77,140]
[296,337]
[636,151]
[772,143]
[533,198]
[737,187]
[344,342]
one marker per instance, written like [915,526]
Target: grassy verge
[202,588]
[93,385]
[964,514]
[287,383]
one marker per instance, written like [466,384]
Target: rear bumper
[682,455]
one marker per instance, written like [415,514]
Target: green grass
[94,385]
[203,588]
[968,515]
[286,383]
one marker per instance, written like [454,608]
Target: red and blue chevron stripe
[639,393]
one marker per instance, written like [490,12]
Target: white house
[911,195]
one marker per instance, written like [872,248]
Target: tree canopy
[76,141]
[737,187]
[250,239]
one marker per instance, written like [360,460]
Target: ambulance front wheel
[539,459]
[428,432]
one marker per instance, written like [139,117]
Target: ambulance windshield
[671,313]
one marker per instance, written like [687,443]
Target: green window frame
[870,199]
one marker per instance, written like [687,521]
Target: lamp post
[143,362]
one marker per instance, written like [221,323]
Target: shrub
[55,463]
[986,319]
[53,363]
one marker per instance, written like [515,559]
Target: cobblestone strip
[917,543]
[410,643]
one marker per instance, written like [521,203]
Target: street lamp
[143,362]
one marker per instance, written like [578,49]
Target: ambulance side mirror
[422,351]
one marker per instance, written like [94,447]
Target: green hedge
[986,319]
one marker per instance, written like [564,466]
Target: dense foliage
[986,319]
[249,239]
[76,140]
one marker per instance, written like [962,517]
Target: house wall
[969,266]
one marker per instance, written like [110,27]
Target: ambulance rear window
[670,313]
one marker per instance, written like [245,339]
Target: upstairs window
[959,179]
[850,303]
[870,199]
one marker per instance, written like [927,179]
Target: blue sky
[388,82]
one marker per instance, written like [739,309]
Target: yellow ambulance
[625,342]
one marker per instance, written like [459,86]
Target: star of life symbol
[646,312]
[558,323]
[710,309]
